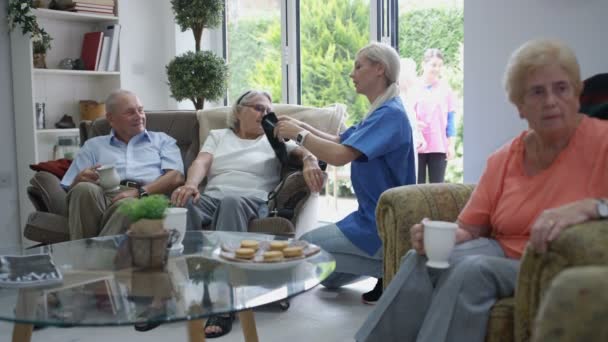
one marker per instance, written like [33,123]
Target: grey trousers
[352,263]
[425,304]
[231,213]
[91,212]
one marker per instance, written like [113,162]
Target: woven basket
[148,251]
[91,110]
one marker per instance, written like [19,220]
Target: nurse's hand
[286,129]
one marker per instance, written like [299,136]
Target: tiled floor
[317,315]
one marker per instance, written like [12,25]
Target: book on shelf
[113,31]
[95,2]
[28,271]
[105,54]
[91,49]
[92,10]
[78,4]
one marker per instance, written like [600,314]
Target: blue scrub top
[385,140]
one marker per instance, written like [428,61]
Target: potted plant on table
[20,14]
[147,236]
[198,75]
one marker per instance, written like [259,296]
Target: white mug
[108,177]
[439,240]
[175,219]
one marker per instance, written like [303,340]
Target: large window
[436,24]
[331,33]
[254,46]
[302,52]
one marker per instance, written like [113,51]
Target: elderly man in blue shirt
[146,162]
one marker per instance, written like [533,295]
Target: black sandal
[224,322]
[155,317]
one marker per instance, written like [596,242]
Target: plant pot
[148,251]
[40,60]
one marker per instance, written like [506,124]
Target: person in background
[146,162]
[521,199]
[381,154]
[434,104]
[407,80]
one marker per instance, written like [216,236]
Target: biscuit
[273,256]
[278,245]
[292,252]
[253,244]
[244,253]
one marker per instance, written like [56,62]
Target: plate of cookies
[267,255]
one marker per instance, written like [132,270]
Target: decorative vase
[40,60]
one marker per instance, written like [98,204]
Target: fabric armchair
[580,290]
[511,319]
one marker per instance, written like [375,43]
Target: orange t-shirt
[509,201]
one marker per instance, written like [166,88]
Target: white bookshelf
[60,90]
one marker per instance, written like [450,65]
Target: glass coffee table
[100,288]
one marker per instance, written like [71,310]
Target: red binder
[91,49]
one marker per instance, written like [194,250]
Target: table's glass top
[195,284]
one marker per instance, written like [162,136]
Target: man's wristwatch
[602,208]
[142,192]
[300,137]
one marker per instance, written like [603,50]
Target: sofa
[48,224]
[511,319]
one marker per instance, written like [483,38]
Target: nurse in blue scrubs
[381,154]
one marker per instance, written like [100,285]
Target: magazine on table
[28,271]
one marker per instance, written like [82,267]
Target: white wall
[9,214]
[492,30]
[147,45]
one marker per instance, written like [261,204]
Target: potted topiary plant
[20,14]
[198,75]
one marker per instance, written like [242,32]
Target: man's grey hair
[112,99]
[231,120]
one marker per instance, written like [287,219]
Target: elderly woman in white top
[241,168]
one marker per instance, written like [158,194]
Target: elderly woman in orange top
[547,179]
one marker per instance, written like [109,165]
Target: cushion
[57,167]
[329,119]
[46,227]
[47,189]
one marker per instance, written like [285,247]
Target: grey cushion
[48,193]
[47,227]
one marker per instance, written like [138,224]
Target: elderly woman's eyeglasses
[257,107]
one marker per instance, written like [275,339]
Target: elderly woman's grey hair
[385,55]
[232,121]
[533,55]
[112,99]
